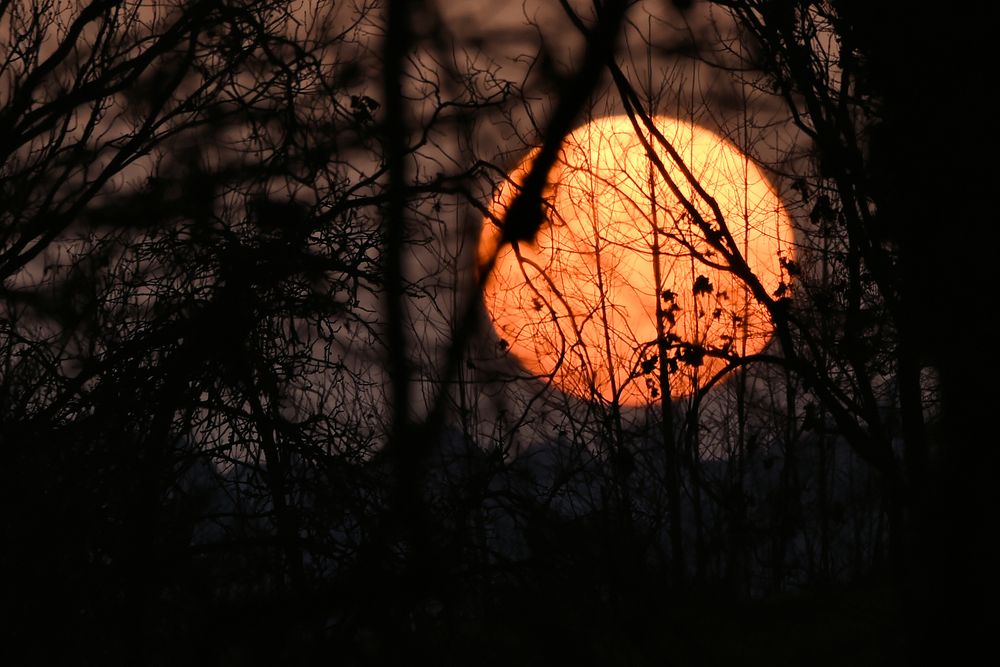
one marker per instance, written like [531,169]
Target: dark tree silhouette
[892,196]
[251,411]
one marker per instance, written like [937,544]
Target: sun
[579,305]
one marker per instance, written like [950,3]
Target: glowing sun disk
[579,305]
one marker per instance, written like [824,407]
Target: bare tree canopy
[611,332]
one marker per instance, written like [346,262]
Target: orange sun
[579,305]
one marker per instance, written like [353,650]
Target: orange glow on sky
[580,304]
